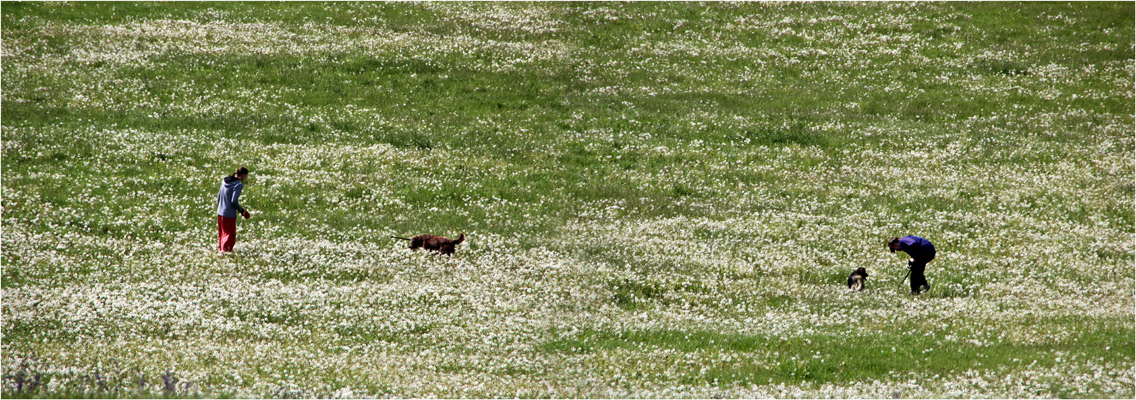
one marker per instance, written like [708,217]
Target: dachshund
[434,243]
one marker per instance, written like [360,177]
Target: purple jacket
[917,247]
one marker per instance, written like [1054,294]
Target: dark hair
[242,171]
[892,242]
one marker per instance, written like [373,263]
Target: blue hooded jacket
[917,247]
[227,204]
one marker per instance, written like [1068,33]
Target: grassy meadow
[660,199]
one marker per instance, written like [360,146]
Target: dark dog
[434,243]
[857,278]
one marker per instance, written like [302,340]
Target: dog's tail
[461,238]
[399,238]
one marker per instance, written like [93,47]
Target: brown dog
[434,243]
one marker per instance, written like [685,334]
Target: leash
[900,285]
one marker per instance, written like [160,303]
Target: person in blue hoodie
[228,205]
[921,252]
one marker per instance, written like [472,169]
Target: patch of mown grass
[442,95]
[820,359]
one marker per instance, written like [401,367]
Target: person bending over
[920,252]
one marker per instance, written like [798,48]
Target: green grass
[820,359]
[661,199]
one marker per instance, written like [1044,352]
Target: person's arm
[236,203]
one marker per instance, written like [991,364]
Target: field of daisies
[660,199]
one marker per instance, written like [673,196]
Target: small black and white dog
[857,278]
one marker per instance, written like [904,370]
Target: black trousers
[918,280]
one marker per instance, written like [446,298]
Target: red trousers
[226,233]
